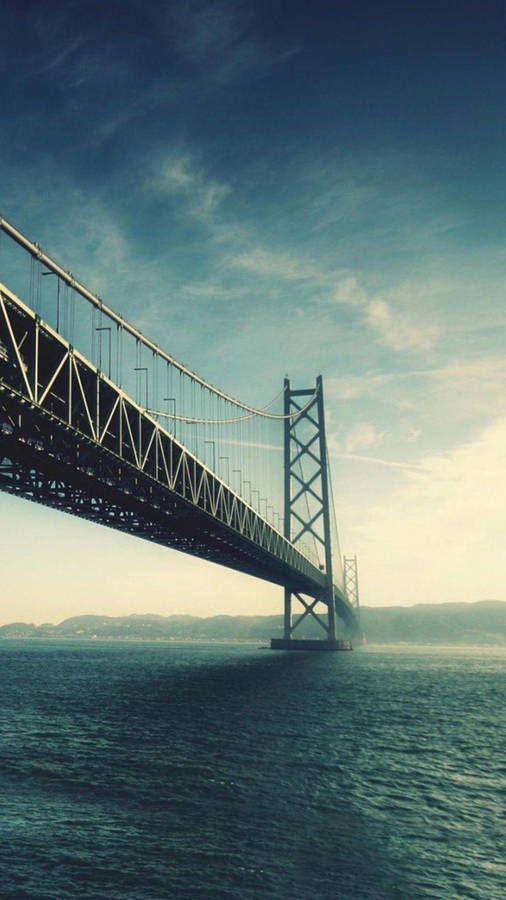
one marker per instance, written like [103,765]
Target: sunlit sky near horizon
[271,188]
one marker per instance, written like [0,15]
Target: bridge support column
[287,625]
[307,511]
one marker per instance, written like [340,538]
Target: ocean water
[154,771]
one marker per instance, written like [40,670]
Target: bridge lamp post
[240,478]
[143,369]
[248,482]
[104,328]
[263,500]
[214,453]
[258,501]
[267,508]
[228,467]
[57,298]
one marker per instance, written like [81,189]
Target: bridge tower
[350,571]
[307,511]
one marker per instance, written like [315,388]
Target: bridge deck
[72,439]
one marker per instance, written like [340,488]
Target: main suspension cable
[195,420]
[38,254]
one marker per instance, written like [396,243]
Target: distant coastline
[481,623]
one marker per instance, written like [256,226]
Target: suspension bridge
[99,421]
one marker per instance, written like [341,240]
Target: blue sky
[276,188]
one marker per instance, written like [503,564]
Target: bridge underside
[43,460]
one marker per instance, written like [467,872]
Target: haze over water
[153,771]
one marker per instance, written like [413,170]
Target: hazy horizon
[183,613]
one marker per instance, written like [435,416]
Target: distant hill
[445,623]
[442,623]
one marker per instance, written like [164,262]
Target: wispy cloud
[178,174]
[398,320]
[377,461]
[398,325]
[397,329]
[412,434]
[207,46]
[219,38]
[424,408]
[348,387]
[349,292]
[363,434]
[269,264]
[212,291]
[63,56]
[487,372]
[207,30]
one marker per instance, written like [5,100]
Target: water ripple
[157,771]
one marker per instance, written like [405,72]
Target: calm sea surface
[153,771]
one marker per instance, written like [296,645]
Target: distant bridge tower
[307,511]
[350,571]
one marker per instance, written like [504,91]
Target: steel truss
[72,439]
